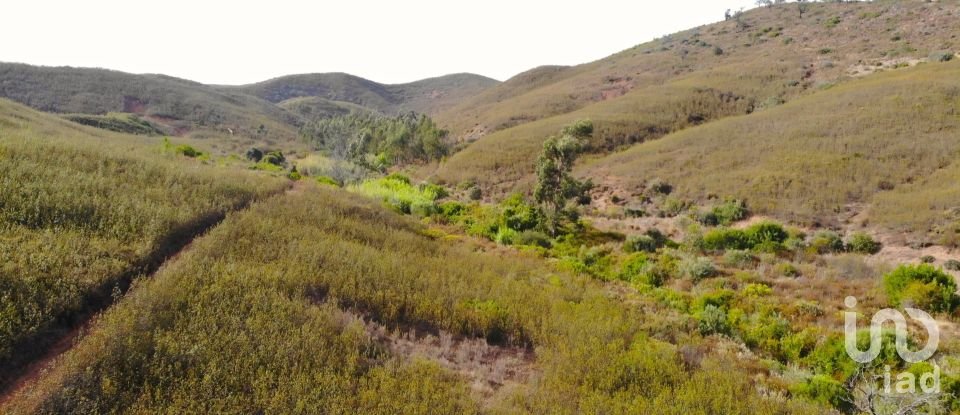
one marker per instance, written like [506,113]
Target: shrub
[640,243]
[862,243]
[636,269]
[757,290]
[328,181]
[188,151]
[532,238]
[922,286]
[823,389]
[713,320]
[928,259]
[826,242]
[660,187]
[721,239]
[275,158]
[765,233]
[579,129]
[943,56]
[697,268]
[672,207]
[738,258]
[952,265]
[475,193]
[730,211]
[254,154]
[787,270]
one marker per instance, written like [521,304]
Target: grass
[82,211]
[251,320]
[117,122]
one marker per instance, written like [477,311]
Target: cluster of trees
[378,141]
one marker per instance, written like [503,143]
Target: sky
[239,42]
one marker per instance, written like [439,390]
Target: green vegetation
[239,326]
[378,141]
[556,188]
[83,213]
[921,286]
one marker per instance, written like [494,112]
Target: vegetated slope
[312,108]
[424,96]
[252,321]
[889,141]
[767,56]
[183,107]
[84,210]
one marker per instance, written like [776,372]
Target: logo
[906,382]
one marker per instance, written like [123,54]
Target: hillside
[425,96]
[183,107]
[885,144]
[762,59]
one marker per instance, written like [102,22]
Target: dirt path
[24,374]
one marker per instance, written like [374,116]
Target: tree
[556,190]
[802,7]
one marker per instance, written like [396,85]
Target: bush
[533,238]
[952,265]
[328,181]
[275,158]
[636,269]
[738,258]
[766,233]
[922,286]
[713,320]
[660,187]
[862,243]
[928,259]
[730,211]
[757,290]
[579,129]
[475,193]
[823,389]
[826,242]
[640,243]
[787,270]
[188,151]
[254,155]
[697,268]
[943,56]
[721,239]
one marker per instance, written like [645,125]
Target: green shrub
[787,269]
[713,320]
[188,151]
[640,243]
[475,193]
[636,269]
[923,286]
[765,233]
[928,259]
[738,258]
[579,129]
[825,390]
[275,158]
[721,239]
[532,238]
[952,265]
[862,243]
[697,268]
[757,290]
[730,211]
[826,242]
[327,180]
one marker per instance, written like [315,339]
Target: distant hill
[748,64]
[426,96]
[183,107]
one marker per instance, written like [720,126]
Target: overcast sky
[391,41]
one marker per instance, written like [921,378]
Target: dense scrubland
[82,211]
[251,321]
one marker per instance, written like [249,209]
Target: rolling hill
[426,96]
[761,59]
